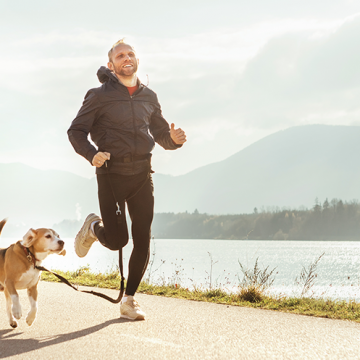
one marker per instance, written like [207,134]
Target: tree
[326,204]
[317,206]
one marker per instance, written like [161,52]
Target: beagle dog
[18,269]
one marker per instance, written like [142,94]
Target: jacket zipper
[134,126]
[133,117]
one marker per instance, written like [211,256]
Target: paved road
[73,325]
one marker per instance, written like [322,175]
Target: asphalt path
[73,325]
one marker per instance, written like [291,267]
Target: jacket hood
[104,74]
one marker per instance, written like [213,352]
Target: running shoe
[131,310]
[85,237]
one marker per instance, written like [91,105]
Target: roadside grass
[249,295]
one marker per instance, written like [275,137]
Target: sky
[227,72]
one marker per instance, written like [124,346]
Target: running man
[124,120]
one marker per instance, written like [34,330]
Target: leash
[118,211]
[32,259]
[114,301]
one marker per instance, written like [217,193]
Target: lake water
[188,263]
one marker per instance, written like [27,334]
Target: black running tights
[137,192]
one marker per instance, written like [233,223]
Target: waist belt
[130,158]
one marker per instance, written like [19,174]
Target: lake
[203,263]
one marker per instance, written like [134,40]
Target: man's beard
[125,71]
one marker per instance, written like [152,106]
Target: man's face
[123,60]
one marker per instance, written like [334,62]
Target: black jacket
[123,125]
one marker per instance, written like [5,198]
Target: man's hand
[99,159]
[178,136]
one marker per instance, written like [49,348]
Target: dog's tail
[2,223]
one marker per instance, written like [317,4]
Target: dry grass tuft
[252,294]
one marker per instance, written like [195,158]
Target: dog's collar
[30,256]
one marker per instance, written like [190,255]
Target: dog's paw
[17,312]
[13,324]
[30,318]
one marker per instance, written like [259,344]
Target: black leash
[114,301]
[118,211]
[31,257]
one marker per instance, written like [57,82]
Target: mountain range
[290,168]
[287,169]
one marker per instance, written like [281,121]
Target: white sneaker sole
[139,317]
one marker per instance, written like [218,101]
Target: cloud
[297,79]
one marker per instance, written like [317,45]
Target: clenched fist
[99,159]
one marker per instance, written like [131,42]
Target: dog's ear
[29,238]
[62,252]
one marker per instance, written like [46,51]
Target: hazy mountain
[39,198]
[289,168]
